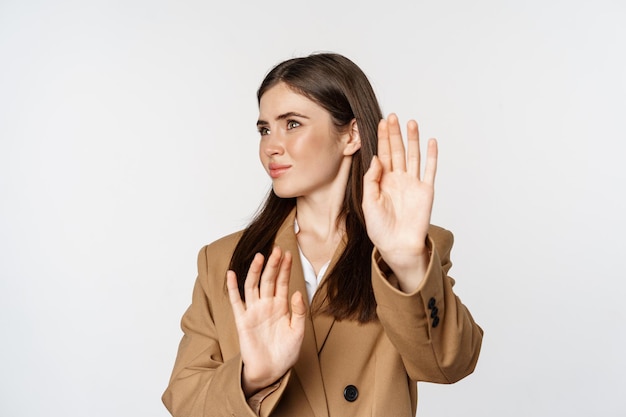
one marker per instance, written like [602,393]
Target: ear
[353,139]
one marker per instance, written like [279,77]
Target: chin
[283,193]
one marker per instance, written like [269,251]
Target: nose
[272,145]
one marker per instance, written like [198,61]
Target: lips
[276,170]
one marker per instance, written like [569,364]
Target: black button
[431,303]
[350,393]
[434,312]
[436,321]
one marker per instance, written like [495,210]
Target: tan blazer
[344,368]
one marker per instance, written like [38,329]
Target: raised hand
[397,200]
[269,336]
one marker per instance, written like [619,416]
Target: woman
[335,300]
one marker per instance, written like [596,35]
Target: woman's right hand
[269,336]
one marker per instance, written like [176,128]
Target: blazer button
[431,303]
[436,321]
[350,393]
[434,312]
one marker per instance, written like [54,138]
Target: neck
[319,218]
[318,213]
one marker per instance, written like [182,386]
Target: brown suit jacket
[428,335]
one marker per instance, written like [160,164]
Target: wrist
[251,386]
[408,269]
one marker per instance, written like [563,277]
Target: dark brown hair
[339,86]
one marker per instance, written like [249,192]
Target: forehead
[281,99]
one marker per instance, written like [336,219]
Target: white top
[312,280]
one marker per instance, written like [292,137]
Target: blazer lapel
[323,323]
[307,367]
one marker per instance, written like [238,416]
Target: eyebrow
[282,117]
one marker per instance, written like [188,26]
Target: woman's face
[300,147]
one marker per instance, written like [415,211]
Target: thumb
[298,312]
[371,181]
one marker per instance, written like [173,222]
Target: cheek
[261,152]
[307,147]
[263,161]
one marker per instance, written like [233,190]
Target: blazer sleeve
[203,383]
[432,330]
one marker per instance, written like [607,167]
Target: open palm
[397,200]
[269,335]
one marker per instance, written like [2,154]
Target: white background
[128,141]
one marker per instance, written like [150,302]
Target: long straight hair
[338,85]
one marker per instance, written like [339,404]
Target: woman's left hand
[397,201]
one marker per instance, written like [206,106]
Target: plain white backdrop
[128,141]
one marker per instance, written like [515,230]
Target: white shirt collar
[312,280]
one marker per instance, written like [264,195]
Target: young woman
[335,300]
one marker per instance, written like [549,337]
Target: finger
[431,162]
[233,294]
[384,152]
[371,181]
[413,149]
[251,286]
[268,277]
[398,155]
[298,312]
[282,282]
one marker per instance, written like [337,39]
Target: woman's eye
[291,124]
[264,131]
